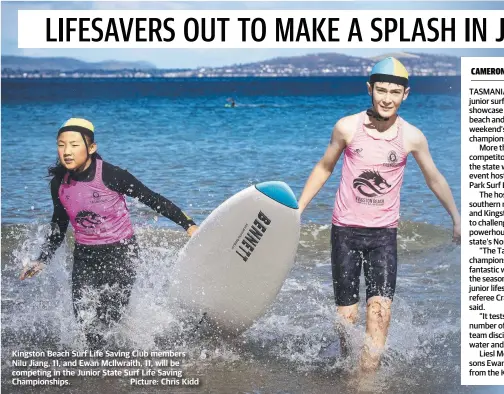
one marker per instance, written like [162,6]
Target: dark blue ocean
[178,138]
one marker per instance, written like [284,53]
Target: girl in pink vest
[89,193]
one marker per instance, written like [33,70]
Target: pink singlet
[98,215]
[371,179]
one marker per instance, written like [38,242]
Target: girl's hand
[191,230]
[32,269]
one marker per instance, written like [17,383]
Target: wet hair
[373,84]
[58,170]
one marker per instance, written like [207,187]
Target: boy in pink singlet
[375,145]
[89,193]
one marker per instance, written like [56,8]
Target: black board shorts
[376,249]
[109,272]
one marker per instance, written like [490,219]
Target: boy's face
[387,97]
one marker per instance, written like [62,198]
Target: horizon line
[414,55]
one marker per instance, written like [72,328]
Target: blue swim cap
[389,70]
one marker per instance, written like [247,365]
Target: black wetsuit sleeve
[123,182]
[59,225]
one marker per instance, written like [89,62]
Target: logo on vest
[371,184]
[358,151]
[392,159]
[88,219]
[67,197]
[96,198]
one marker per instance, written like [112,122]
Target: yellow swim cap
[79,125]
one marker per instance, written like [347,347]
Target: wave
[412,236]
[296,334]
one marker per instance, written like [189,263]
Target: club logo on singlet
[98,198]
[358,151]
[371,184]
[392,159]
[89,219]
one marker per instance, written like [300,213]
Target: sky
[193,58]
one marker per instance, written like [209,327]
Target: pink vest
[98,215]
[371,179]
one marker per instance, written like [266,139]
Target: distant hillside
[320,64]
[23,63]
[311,61]
[397,55]
[417,64]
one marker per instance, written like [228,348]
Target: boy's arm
[434,179]
[324,168]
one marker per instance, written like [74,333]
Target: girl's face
[72,150]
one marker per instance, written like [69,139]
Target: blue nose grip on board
[280,192]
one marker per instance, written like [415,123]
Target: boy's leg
[346,267]
[380,270]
